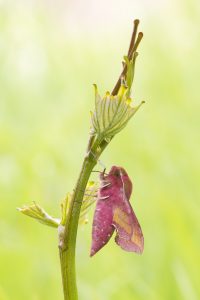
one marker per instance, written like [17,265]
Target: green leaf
[112,113]
[38,213]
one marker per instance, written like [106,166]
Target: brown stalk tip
[136,22]
[140,35]
[139,38]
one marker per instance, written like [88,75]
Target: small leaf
[65,207]
[112,113]
[130,71]
[88,199]
[38,213]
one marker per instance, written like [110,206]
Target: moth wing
[102,228]
[129,234]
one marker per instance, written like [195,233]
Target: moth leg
[105,185]
[104,198]
[96,171]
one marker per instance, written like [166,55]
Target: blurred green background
[50,54]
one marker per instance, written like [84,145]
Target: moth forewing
[114,212]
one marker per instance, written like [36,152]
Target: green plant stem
[68,233]
[67,241]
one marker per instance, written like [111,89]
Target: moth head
[118,172]
[120,177]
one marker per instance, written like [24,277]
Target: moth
[114,213]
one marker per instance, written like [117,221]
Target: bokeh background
[50,54]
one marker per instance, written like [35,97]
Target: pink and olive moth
[114,212]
